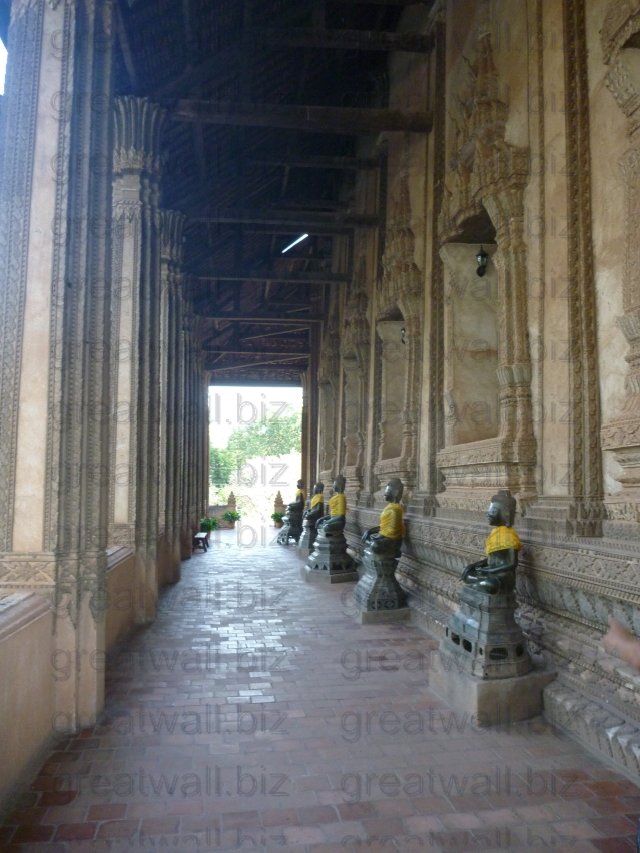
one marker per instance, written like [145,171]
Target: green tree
[273,436]
[222,464]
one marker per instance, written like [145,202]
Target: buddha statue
[316,506]
[335,521]
[496,573]
[386,538]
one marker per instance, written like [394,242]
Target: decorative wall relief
[328,385]
[355,362]
[400,295]
[487,176]
[621,435]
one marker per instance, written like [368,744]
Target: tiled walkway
[256,714]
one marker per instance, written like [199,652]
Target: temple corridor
[255,713]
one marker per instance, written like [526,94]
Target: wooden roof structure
[267,100]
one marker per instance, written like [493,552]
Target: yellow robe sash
[500,539]
[391,521]
[338,505]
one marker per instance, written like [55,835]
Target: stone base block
[376,617]
[488,702]
[347,576]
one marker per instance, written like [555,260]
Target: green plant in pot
[277,518]
[231,516]
[207,524]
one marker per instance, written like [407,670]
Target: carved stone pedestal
[483,667]
[485,637]
[378,597]
[307,540]
[291,528]
[329,560]
[487,702]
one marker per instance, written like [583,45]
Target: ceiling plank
[259,319]
[383,2]
[294,218]
[355,164]
[344,120]
[213,350]
[251,364]
[303,277]
[345,39]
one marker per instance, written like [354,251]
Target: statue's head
[300,484]
[393,490]
[339,483]
[502,509]
[318,489]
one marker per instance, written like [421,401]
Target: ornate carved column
[399,327]
[171,254]
[328,379]
[355,353]
[621,435]
[136,339]
[487,185]
[54,259]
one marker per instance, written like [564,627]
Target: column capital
[172,224]
[138,131]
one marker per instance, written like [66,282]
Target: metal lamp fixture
[482,258]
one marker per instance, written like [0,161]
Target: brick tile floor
[255,713]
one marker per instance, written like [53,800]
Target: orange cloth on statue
[299,496]
[391,522]
[338,505]
[315,500]
[500,539]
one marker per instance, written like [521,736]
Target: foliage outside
[275,436]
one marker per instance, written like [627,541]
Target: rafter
[266,319]
[344,120]
[344,39]
[355,164]
[215,350]
[292,218]
[273,276]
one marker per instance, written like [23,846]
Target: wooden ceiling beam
[213,350]
[345,39]
[297,220]
[383,2]
[261,319]
[351,121]
[286,362]
[303,277]
[355,164]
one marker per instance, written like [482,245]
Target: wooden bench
[201,540]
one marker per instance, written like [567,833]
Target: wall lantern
[482,259]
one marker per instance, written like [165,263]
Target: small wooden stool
[200,541]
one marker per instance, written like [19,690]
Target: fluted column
[136,340]
[54,267]
[171,254]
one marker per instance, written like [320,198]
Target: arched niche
[393,380]
[471,345]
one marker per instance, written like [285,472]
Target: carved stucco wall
[529,146]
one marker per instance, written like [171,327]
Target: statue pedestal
[487,702]
[485,637]
[329,560]
[378,597]
[483,667]
[292,527]
[307,540]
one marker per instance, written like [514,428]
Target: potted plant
[207,524]
[231,516]
[277,518]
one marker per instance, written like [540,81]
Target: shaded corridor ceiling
[267,100]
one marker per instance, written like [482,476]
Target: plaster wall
[27,707]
